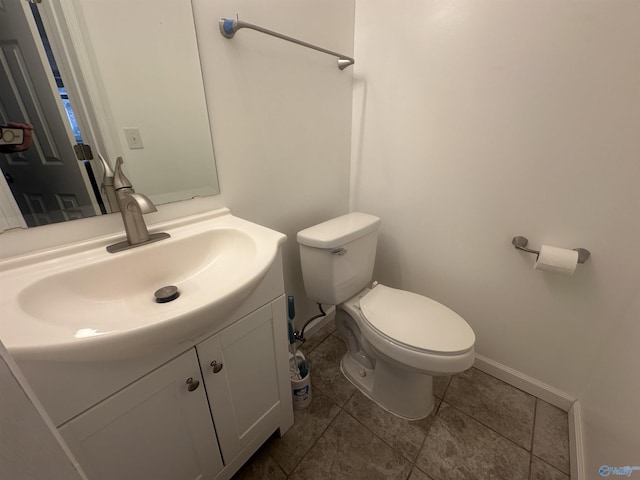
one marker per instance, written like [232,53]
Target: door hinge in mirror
[83,151]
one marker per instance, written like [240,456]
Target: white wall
[478,121]
[281,116]
[609,402]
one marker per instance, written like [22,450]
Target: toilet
[396,340]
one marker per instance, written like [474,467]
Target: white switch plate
[134,140]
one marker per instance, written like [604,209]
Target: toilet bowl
[396,340]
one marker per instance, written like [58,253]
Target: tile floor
[482,428]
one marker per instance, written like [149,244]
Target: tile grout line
[383,440]
[287,475]
[446,389]
[533,434]
[414,466]
[508,384]
[487,426]
[322,433]
[533,440]
[533,431]
[424,440]
[314,443]
[412,462]
[318,344]
[549,464]
[535,414]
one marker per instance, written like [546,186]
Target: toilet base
[406,394]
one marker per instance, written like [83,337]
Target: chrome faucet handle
[108,173]
[107,187]
[119,178]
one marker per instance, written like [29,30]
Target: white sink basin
[81,303]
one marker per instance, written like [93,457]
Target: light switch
[134,140]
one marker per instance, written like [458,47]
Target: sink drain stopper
[166,294]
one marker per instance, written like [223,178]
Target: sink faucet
[132,206]
[107,184]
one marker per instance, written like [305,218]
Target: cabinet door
[154,429]
[244,394]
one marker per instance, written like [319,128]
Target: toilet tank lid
[338,231]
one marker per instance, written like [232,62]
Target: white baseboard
[576,448]
[545,392]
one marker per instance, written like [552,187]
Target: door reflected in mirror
[136,91]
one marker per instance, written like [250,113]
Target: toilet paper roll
[559,260]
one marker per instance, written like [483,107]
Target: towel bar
[228,28]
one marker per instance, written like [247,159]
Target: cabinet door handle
[192,384]
[216,366]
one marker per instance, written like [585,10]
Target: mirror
[132,74]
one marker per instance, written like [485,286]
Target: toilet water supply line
[298,370]
[300,335]
[291,310]
[294,335]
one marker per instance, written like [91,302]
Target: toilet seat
[423,352]
[416,322]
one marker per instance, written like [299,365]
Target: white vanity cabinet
[158,428]
[243,375]
[161,427]
[129,382]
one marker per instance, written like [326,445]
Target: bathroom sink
[81,303]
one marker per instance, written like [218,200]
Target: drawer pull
[192,384]
[216,366]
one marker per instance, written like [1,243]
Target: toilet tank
[337,257]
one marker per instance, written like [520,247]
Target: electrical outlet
[134,140]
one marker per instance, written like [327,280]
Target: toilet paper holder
[521,244]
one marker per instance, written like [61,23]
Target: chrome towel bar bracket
[521,244]
[228,28]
